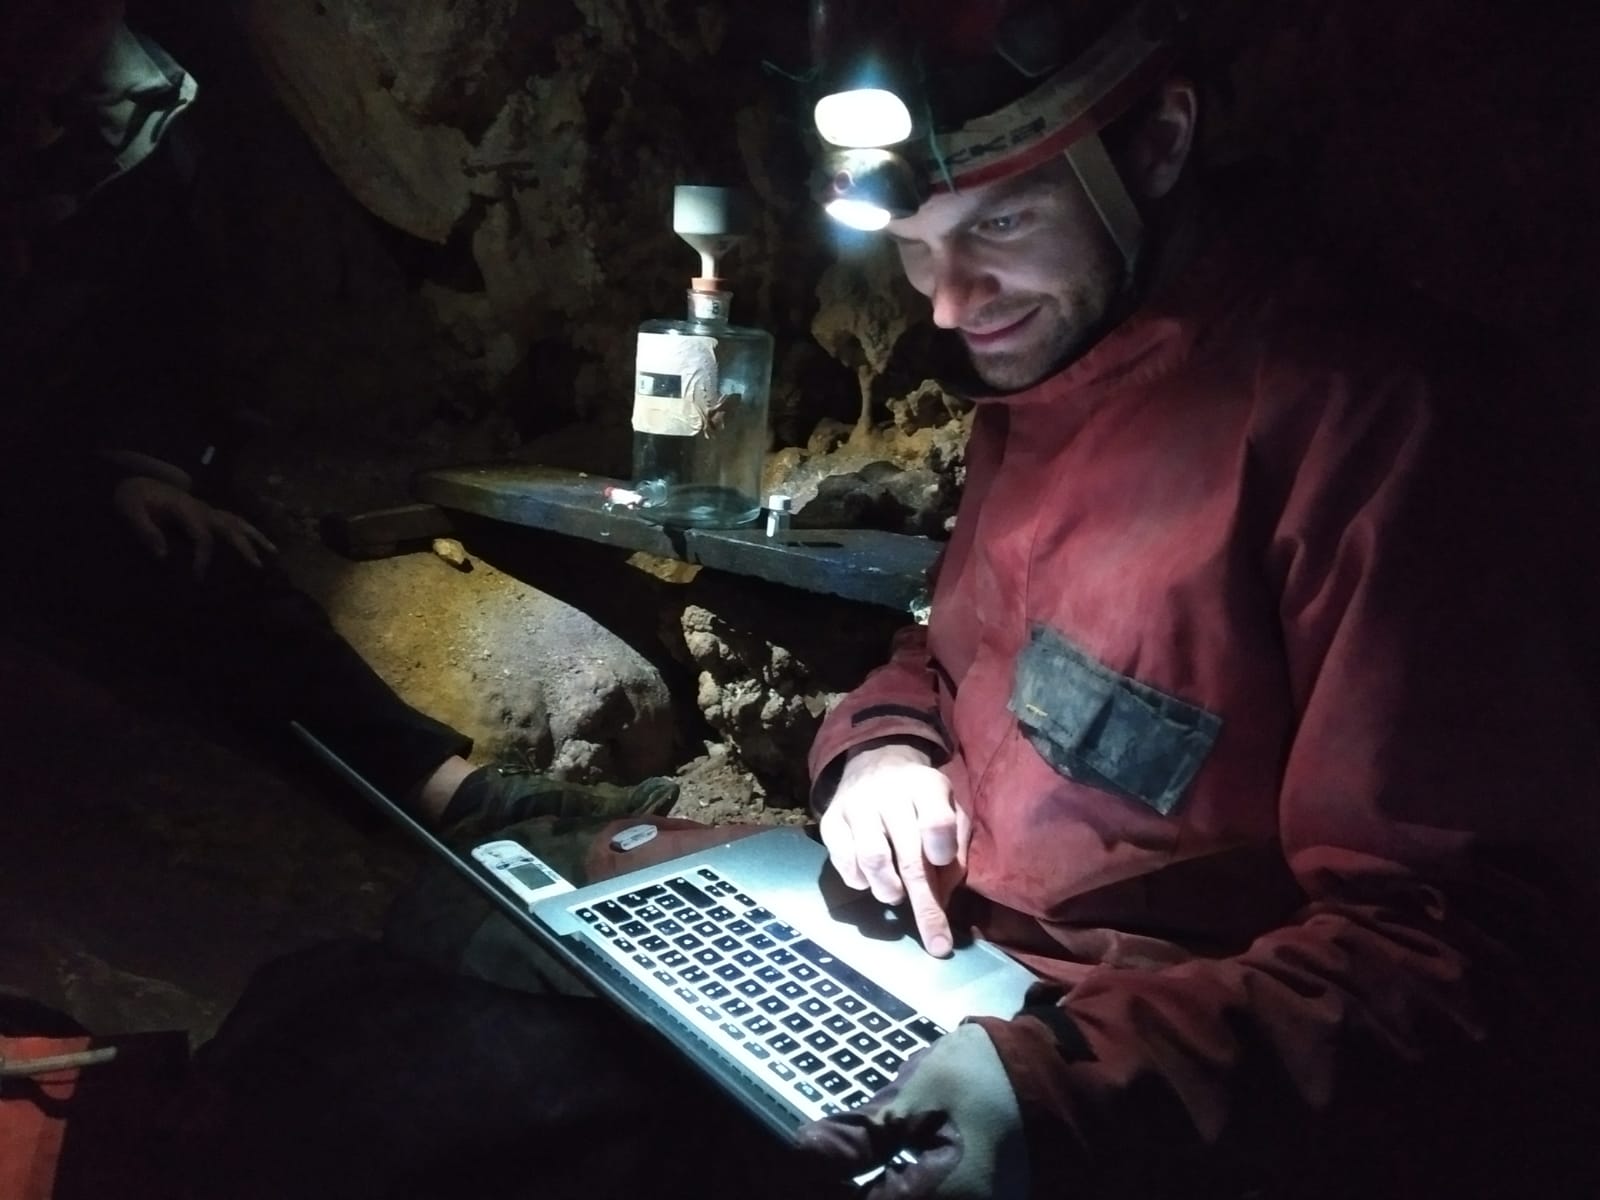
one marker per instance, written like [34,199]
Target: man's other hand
[948,1128]
[155,510]
[893,828]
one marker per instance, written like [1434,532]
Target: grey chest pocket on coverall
[1104,729]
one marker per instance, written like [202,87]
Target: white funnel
[711,219]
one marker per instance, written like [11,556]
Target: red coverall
[1251,661]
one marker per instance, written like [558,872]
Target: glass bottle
[700,415]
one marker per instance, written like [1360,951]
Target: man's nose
[960,288]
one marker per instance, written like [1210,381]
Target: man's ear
[1159,148]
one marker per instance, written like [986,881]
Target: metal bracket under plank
[869,565]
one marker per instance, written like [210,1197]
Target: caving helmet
[924,96]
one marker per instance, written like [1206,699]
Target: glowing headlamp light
[871,187]
[863,118]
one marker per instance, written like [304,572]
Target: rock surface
[526,676]
[537,146]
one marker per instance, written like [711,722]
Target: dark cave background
[1450,145]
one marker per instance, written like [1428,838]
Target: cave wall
[444,221]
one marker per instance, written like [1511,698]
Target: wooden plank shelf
[867,565]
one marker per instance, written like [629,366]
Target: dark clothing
[109,341]
[243,643]
[351,1073]
[355,1071]
[107,345]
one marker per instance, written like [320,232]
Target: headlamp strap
[1102,183]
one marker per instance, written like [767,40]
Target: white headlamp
[863,118]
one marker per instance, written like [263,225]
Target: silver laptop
[798,996]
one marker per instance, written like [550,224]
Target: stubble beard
[1062,330]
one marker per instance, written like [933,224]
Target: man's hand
[154,509]
[892,827]
[948,1127]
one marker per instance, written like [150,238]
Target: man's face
[1023,269]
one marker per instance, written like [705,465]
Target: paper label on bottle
[675,384]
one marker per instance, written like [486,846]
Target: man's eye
[1002,223]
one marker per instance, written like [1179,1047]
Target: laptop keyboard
[820,1033]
